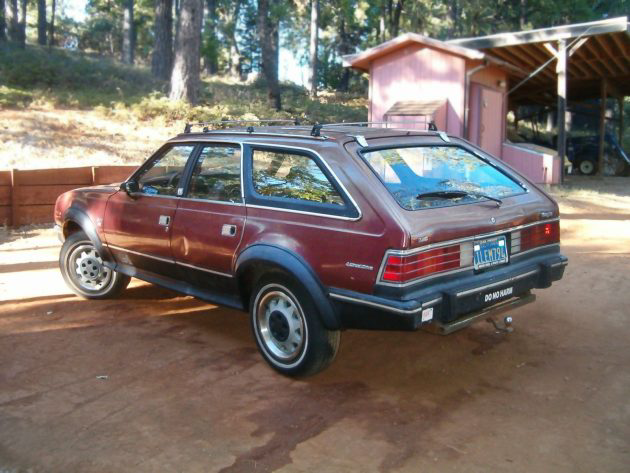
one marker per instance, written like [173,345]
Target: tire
[287,327]
[587,167]
[97,281]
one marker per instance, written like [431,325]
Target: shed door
[491,126]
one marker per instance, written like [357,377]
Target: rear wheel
[587,167]
[288,329]
[84,272]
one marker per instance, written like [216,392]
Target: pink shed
[413,78]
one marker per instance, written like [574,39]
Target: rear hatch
[465,208]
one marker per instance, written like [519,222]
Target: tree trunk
[185,76]
[22,25]
[394,19]
[14,22]
[177,5]
[235,53]
[51,36]
[41,22]
[162,59]
[313,46]
[3,22]
[128,33]
[212,62]
[345,47]
[268,29]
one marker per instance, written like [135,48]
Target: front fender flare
[294,265]
[82,219]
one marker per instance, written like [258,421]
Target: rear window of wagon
[410,172]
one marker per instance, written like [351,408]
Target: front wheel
[84,272]
[288,330]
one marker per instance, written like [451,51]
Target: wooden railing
[28,196]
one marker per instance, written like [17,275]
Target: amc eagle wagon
[314,230]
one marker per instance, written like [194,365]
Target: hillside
[61,108]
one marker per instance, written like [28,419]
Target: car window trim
[349,211]
[370,149]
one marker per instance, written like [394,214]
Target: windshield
[427,176]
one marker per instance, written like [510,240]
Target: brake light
[401,269]
[539,235]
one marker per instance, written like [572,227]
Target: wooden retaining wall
[29,196]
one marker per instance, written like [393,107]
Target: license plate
[489,252]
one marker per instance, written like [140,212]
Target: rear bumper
[449,303]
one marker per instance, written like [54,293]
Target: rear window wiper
[454,194]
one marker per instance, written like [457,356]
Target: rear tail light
[403,268]
[399,268]
[535,236]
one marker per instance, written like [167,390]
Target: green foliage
[79,80]
[71,78]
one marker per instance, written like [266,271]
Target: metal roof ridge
[617,24]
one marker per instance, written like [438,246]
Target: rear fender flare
[82,219]
[294,265]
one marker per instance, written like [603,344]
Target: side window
[217,174]
[163,175]
[292,176]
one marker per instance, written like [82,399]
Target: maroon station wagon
[317,230]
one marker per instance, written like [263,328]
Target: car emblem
[493,220]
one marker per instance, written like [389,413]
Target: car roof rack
[206,125]
[219,126]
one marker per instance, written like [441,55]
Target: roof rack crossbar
[206,125]
[431,125]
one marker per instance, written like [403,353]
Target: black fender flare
[297,267]
[82,219]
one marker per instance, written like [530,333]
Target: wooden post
[621,101]
[561,71]
[602,128]
[15,209]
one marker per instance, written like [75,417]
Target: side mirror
[130,187]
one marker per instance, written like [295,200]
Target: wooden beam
[616,38]
[553,51]
[598,59]
[577,46]
[585,73]
[509,57]
[561,70]
[621,101]
[602,128]
[15,203]
[608,54]
[535,60]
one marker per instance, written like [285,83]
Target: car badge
[493,220]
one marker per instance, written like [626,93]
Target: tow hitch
[488,313]
[505,328]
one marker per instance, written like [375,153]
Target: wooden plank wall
[29,196]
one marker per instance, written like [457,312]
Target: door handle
[228,230]
[164,220]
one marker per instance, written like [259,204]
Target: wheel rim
[281,325]
[86,269]
[586,167]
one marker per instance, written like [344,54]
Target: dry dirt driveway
[158,382]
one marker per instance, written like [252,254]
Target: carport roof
[597,50]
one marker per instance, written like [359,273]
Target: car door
[138,227]
[209,221]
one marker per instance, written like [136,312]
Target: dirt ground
[155,381]
[52,138]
